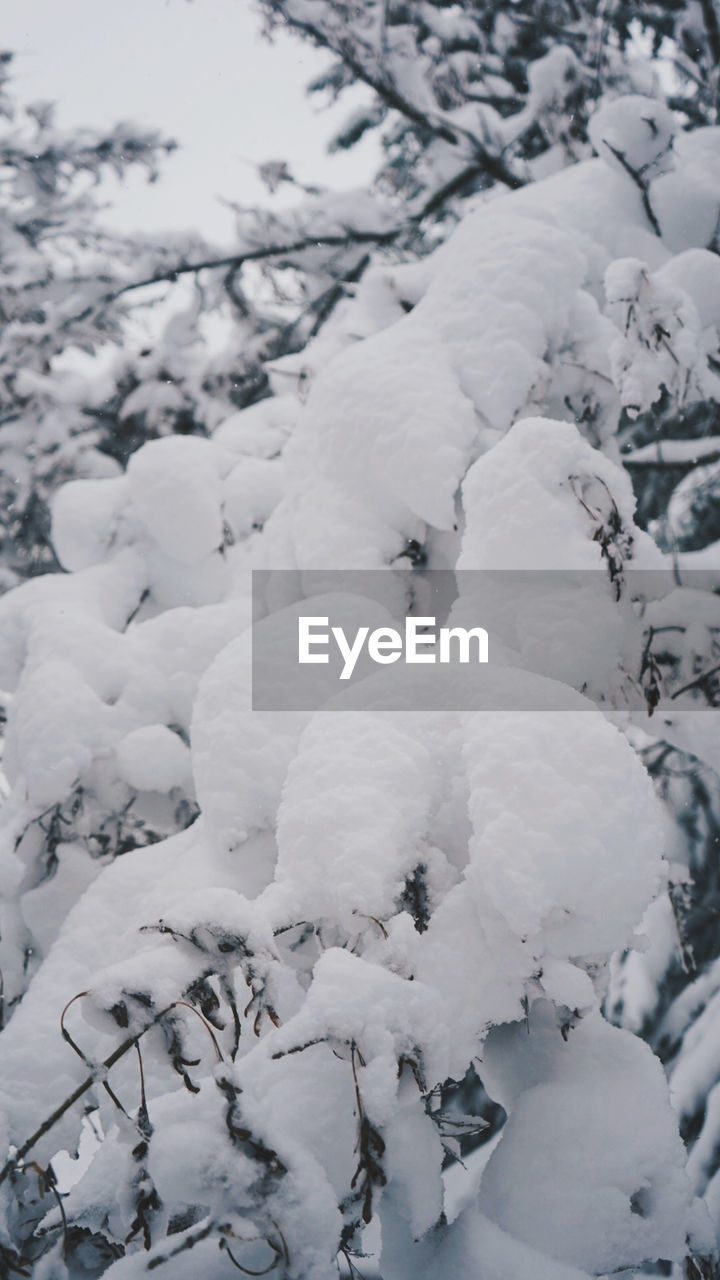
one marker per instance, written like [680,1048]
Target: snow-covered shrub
[85,378]
[273,1014]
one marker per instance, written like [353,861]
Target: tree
[56,267]
[466,96]
[69,286]
[272,1016]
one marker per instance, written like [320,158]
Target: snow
[675,451]
[601,207]
[85,515]
[661,344]
[261,430]
[413,1161]
[174,488]
[375,898]
[473,1236]
[634,984]
[251,490]
[391,434]
[153,759]
[616,1196]
[102,930]
[44,908]
[633,134]
[542,467]
[521,832]
[349,826]
[685,200]
[240,756]
[58,725]
[439,373]
[697,273]
[355,1002]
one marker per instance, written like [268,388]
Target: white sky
[201,72]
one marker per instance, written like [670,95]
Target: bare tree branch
[639,181]
[236,260]
[710,19]
[494,166]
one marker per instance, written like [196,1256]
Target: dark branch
[237,260]
[639,182]
[95,1077]
[59,1112]
[494,166]
[454,186]
[699,682]
[710,19]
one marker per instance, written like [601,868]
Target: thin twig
[83,1056]
[96,1074]
[449,131]
[50,1122]
[698,682]
[640,184]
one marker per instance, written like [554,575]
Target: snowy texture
[328,929]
